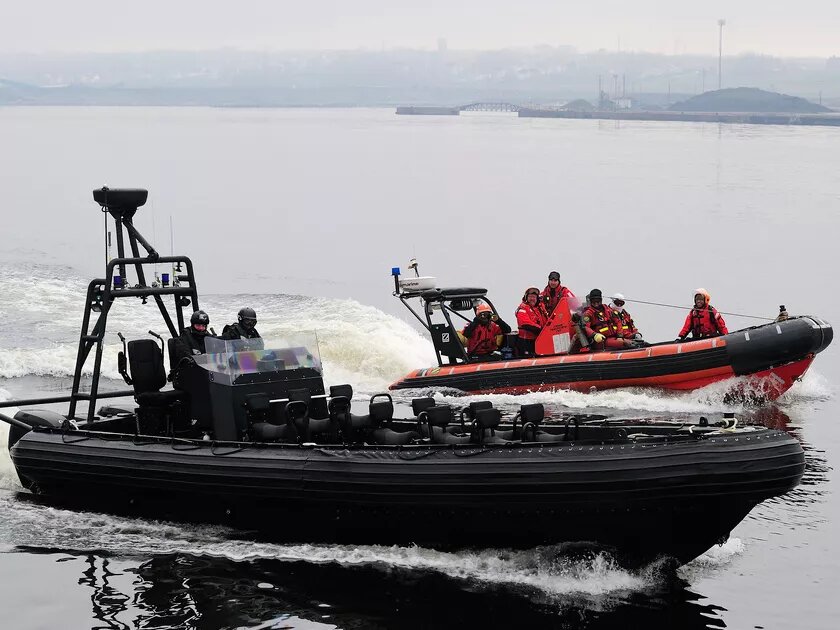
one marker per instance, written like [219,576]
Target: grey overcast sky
[801,28]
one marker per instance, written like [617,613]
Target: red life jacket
[704,322]
[627,325]
[482,339]
[600,321]
[529,316]
[550,300]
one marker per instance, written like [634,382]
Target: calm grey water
[277,204]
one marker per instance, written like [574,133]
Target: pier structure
[749,118]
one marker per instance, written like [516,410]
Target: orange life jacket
[704,322]
[529,316]
[600,321]
[482,339]
[626,323]
[551,300]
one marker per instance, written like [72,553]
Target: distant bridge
[433,110]
[490,107]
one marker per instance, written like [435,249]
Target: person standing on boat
[530,318]
[628,326]
[484,335]
[553,293]
[703,321]
[191,341]
[601,325]
[245,326]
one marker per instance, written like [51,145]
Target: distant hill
[745,99]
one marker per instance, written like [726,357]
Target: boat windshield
[229,359]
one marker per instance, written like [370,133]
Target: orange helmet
[483,308]
[706,295]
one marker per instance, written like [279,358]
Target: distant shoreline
[745,118]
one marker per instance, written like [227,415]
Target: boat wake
[548,573]
[634,402]
[359,344]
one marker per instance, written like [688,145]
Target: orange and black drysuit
[626,324]
[602,320]
[550,298]
[703,322]
[484,338]
[530,320]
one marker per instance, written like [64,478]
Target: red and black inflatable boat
[770,358]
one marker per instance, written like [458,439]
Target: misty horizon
[532,48]
[92,26]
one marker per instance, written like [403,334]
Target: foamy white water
[545,569]
[359,344]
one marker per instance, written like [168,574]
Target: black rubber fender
[34,418]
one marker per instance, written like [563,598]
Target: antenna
[177,266]
[154,237]
[107,237]
[412,264]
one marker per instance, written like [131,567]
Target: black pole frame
[102,292]
[445,310]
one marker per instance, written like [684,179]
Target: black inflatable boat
[250,434]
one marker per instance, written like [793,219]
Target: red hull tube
[770,357]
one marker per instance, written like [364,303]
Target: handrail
[26,402]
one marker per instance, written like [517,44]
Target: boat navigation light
[118,282]
[395,271]
[164,279]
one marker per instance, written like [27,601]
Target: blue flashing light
[395,271]
[117,282]
[164,279]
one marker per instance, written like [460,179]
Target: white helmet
[620,298]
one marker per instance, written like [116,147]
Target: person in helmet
[484,335]
[553,293]
[703,321]
[531,319]
[601,325]
[191,341]
[628,328]
[245,326]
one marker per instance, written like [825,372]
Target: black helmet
[199,317]
[247,317]
[596,293]
[554,275]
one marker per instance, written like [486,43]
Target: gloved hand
[598,338]
[637,336]
[679,339]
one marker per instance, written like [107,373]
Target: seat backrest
[439,416]
[381,412]
[488,418]
[297,416]
[146,363]
[533,413]
[341,390]
[303,395]
[258,407]
[474,407]
[419,405]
